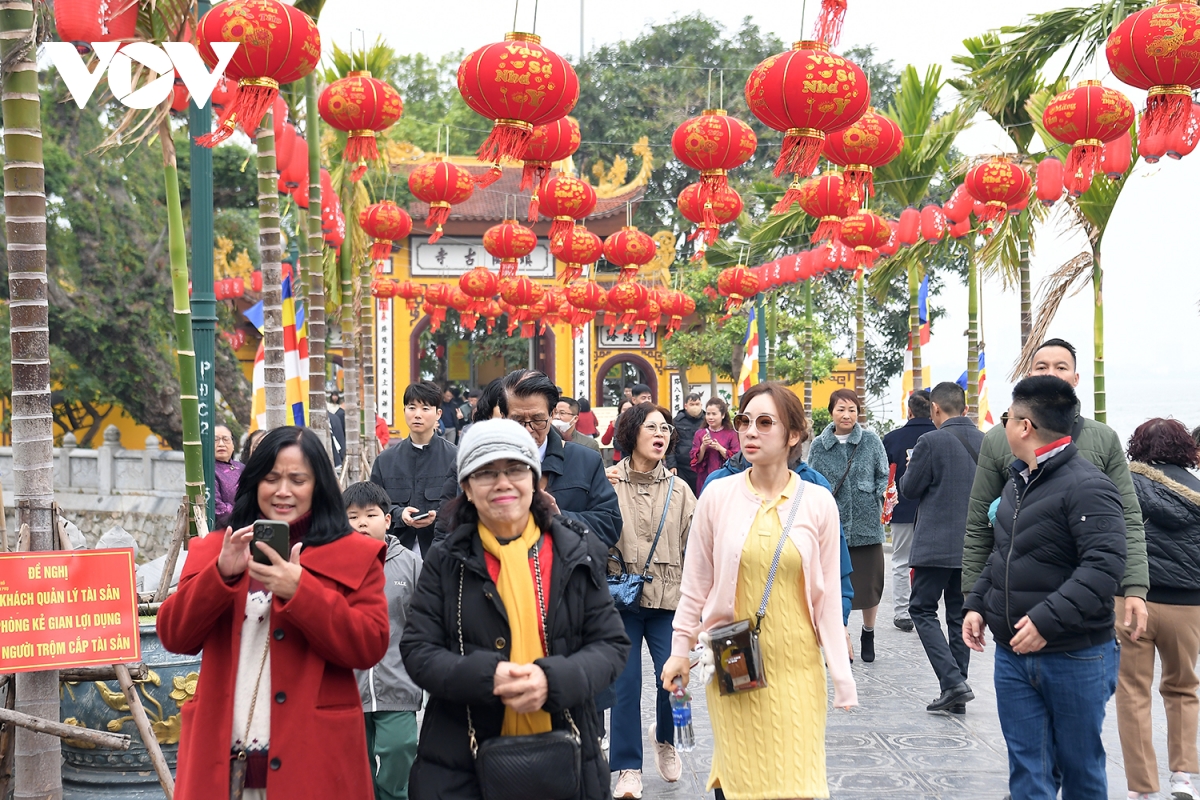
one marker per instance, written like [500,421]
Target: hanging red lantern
[676,305]
[461,303]
[624,300]
[1116,157]
[179,97]
[864,232]
[279,44]
[1151,146]
[1158,49]
[580,247]
[565,200]
[826,199]
[587,296]
[441,184]
[959,206]
[480,284]
[960,229]
[722,207]
[630,250]
[256,281]
[491,312]
[385,222]
[892,245]
[337,234]
[294,172]
[1087,117]
[737,284]
[219,290]
[1016,208]
[549,143]
[285,148]
[647,318]
[360,106]
[519,84]
[522,294]
[509,242]
[933,224]
[82,22]
[806,92]
[908,231]
[870,142]
[713,143]
[383,289]
[412,293]
[1049,180]
[577,318]
[997,183]
[1182,140]
[437,301]
[222,94]
[554,298]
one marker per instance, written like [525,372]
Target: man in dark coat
[417,471]
[689,420]
[1046,594]
[938,479]
[899,445]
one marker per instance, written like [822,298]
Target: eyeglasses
[223,440]
[487,477]
[763,422]
[664,429]
[1004,418]
[565,415]
[538,424]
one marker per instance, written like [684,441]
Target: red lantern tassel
[533,208]
[527,329]
[712,180]
[994,211]
[789,199]
[359,170]
[1083,161]
[252,99]
[627,274]
[701,249]
[535,172]
[801,152]
[381,250]
[468,320]
[508,269]
[491,325]
[571,272]
[361,146]
[559,231]
[507,140]
[860,185]
[829,22]
[438,214]
[863,260]
[710,235]
[489,177]
[1164,112]
[828,230]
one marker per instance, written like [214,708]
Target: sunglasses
[1004,418]
[763,422]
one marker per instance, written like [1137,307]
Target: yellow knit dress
[770,743]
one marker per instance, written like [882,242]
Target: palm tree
[907,180]
[270,248]
[37,772]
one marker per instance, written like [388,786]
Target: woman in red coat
[281,641]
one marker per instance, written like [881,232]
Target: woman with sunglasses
[852,458]
[768,743]
[715,442]
[657,512]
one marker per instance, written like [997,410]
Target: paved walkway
[889,746]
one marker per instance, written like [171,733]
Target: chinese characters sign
[67,609]
[456,257]
[384,336]
[613,339]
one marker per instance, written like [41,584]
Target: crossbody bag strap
[661,524]
[961,435]
[849,464]
[787,529]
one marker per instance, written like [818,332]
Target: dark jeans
[1052,711]
[948,658]
[625,741]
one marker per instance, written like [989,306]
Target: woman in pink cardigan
[760,753]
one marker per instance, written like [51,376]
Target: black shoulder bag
[626,589]
[543,766]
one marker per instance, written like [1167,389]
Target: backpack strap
[1077,429]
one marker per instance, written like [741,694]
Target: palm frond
[1006,108]
[377,60]
[1054,289]
[311,7]
[1000,255]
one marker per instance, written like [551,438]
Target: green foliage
[821,419]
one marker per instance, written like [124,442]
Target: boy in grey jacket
[390,698]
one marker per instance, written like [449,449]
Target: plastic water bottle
[681,713]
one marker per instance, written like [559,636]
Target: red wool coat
[335,623]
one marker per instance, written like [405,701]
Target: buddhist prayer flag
[984,412]
[749,374]
[295,361]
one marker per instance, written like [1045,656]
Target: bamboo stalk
[178,537]
[271,254]
[366,330]
[1023,269]
[1100,395]
[860,349]
[972,331]
[102,739]
[318,416]
[914,325]
[107,672]
[353,455]
[142,722]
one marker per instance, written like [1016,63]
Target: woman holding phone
[714,443]
[281,639]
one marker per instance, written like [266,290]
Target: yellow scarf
[517,592]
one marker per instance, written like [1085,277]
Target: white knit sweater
[256,630]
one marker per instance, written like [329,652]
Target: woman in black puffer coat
[1160,452]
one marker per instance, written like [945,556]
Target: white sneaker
[1181,787]
[629,785]
[666,757]
[1136,796]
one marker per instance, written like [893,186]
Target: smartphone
[274,533]
[419,517]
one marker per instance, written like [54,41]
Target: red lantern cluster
[360,106]
[580,247]
[624,301]
[720,208]
[737,284]
[827,199]
[437,301]
[713,143]
[509,242]
[278,44]
[1158,49]
[870,142]
[997,184]
[1087,117]
[630,250]
[229,288]
[385,222]
[566,200]
[676,305]
[523,295]
[412,293]
[441,185]
[480,284]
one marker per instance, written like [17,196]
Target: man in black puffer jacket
[1047,596]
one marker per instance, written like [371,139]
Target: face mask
[560,425]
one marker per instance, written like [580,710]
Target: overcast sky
[1152,280]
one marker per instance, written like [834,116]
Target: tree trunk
[366,331]
[772,342]
[271,253]
[37,755]
[318,418]
[1026,300]
[193,452]
[1101,414]
[353,454]
[712,380]
[808,347]
[972,331]
[914,325]
[860,349]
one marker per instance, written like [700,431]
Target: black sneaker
[904,624]
[867,647]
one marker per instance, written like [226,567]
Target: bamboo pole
[366,330]
[271,254]
[107,672]
[142,722]
[352,458]
[102,739]
[318,415]
[808,348]
[1024,222]
[178,537]
[860,348]
[914,325]
[1100,395]
[972,331]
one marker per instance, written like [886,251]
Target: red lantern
[1087,117]
[222,94]
[648,317]
[82,22]
[870,142]
[826,199]
[509,242]
[624,300]
[1151,146]
[722,207]
[522,294]
[337,233]
[959,206]
[1016,208]
[294,172]
[461,303]
[1158,49]
[279,44]
[892,245]
[386,222]
[1116,157]
[960,229]
[806,92]
[179,97]
[908,231]
[549,143]
[441,184]
[864,232]
[713,143]
[519,84]
[382,289]
[676,305]
[480,284]
[580,247]
[285,148]
[997,183]
[437,300]
[737,284]
[577,318]
[360,106]
[554,300]
[1182,140]
[491,312]
[933,224]
[1049,180]
[256,281]
[565,200]
[219,290]
[629,249]
[412,293]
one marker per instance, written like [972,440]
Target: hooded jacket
[860,500]
[643,497]
[386,686]
[1170,501]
